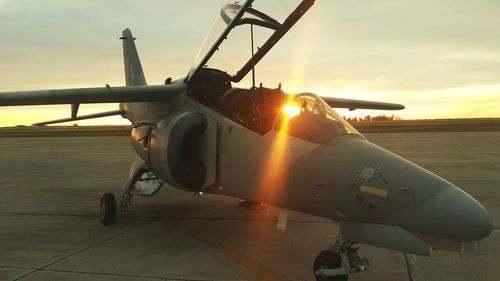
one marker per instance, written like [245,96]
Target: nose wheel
[337,263]
[107,212]
[329,261]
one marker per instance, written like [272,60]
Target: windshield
[308,117]
[243,31]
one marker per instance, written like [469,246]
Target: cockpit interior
[261,109]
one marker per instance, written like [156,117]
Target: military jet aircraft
[202,135]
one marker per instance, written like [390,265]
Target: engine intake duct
[175,150]
[184,150]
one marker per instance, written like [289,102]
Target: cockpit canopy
[308,117]
[244,32]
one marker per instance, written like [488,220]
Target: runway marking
[264,272]
[44,268]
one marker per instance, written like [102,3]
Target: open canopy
[244,32]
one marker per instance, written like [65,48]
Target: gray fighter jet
[293,151]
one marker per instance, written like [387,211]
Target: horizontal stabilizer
[160,93]
[361,104]
[84,117]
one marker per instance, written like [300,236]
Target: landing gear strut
[141,180]
[336,263]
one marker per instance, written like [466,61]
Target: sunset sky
[439,58]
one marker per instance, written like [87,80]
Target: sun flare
[290,110]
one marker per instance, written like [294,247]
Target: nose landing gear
[336,263]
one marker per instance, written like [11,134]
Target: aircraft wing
[160,93]
[361,104]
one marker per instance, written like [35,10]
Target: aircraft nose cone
[455,215]
[405,194]
[402,193]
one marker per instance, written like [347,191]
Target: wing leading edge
[160,93]
[361,104]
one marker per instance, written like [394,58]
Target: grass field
[440,125]
[437,125]
[64,131]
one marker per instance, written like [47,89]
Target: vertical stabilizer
[134,76]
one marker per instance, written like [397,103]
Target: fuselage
[345,179]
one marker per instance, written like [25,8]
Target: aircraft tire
[107,212]
[328,259]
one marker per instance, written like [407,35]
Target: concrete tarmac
[49,228]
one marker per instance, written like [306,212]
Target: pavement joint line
[241,219]
[42,268]
[409,267]
[167,218]
[20,198]
[120,275]
[68,215]
[100,273]
[26,274]
[16,267]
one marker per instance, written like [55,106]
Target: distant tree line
[370,118]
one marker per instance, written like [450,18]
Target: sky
[441,59]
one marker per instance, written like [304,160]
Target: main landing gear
[141,180]
[107,212]
[336,263]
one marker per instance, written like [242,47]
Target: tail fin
[134,76]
